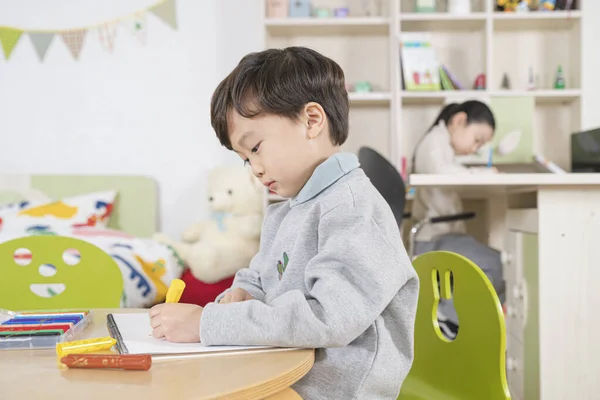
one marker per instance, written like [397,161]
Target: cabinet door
[513,272]
[530,317]
[522,315]
[514,343]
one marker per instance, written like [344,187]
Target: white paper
[136,332]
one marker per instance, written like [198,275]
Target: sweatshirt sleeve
[351,280]
[247,279]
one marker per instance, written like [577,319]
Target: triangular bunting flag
[74,40]
[41,43]
[9,38]
[167,12]
[107,33]
[137,25]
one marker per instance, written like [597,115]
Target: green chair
[57,273]
[472,366]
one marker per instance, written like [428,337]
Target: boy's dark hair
[282,82]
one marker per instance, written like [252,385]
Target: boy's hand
[176,322]
[235,295]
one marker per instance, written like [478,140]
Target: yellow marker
[175,291]
[84,346]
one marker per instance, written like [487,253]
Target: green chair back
[472,366]
[61,273]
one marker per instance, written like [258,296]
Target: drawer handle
[505,258]
[511,364]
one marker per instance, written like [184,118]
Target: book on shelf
[420,67]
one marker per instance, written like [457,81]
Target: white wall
[590,79]
[142,110]
[145,109]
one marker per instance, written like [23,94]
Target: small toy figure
[559,81]
[362,87]
[547,5]
[505,82]
[277,8]
[425,6]
[300,8]
[371,8]
[523,6]
[321,12]
[507,5]
[479,82]
[531,80]
[565,4]
[341,12]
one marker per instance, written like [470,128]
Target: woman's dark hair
[476,111]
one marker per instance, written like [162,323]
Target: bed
[118,214]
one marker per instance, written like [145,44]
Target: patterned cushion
[93,210]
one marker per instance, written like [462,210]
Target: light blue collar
[325,175]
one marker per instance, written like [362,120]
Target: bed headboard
[136,207]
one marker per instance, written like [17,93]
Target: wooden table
[259,374]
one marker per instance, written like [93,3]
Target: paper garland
[9,38]
[74,39]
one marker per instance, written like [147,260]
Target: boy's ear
[315,118]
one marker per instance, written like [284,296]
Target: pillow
[92,209]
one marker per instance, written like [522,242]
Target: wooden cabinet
[522,305]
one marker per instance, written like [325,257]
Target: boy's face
[279,150]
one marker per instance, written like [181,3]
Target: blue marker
[490,155]
[24,320]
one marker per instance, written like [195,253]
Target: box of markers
[41,329]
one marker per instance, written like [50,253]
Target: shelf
[541,96]
[536,20]
[481,42]
[442,22]
[440,96]
[327,26]
[369,98]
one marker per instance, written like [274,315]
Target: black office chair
[388,181]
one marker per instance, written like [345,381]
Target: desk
[33,374]
[548,228]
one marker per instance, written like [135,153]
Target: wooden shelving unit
[391,120]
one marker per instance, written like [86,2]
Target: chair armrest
[414,231]
[450,218]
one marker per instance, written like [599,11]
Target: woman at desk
[459,129]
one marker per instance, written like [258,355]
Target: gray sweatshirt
[331,274]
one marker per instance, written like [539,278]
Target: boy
[332,272]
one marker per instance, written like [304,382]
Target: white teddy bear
[217,248]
